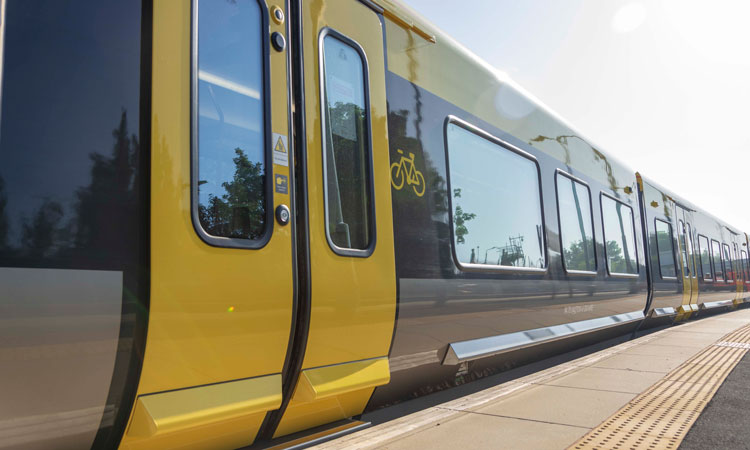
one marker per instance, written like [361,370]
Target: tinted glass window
[728,268]
[705,257]
[497,215]
[73,221]
[665,247]
[576,229]
[347,146]
[717,263]
[619,235]
[230,132]
[743,258]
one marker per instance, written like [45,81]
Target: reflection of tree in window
[579,255]
[3,215]
[628,262]
[105,225]
[43,232]
[459,220]
[620,250]
[617,263]
[348,201]
[240,212]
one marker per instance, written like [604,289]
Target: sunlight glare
[628,18]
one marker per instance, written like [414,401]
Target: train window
[717,263]
[665,248]
[705,256]
[728,268]
[230,132]
[691,251]
[743,258]
[346,146]
[495,202]
[576,225]
[619,236]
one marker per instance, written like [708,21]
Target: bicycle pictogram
[406,171]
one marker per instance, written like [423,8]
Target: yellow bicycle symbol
[406,171]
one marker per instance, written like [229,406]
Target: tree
[240,212]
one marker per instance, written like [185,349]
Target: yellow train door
[222,264]
[341,347]
[687,257]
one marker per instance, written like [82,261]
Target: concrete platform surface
[556,407]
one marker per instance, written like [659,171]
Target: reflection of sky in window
[618,226]
[230,75]
[502,189]
[573,217]
[344,82]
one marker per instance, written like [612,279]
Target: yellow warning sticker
[280,152]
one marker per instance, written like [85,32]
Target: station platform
[654,391]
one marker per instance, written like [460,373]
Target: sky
[664,85]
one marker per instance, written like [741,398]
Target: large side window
[743,258]
[705,257]
[229,140]
[347,147]
[495,202]
[576,225]
[619,237]
[716,258]
[665,247]
[728,268]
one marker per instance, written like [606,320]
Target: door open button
[282,214]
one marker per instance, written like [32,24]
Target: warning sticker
[282,185]
[280,150]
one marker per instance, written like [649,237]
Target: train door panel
[351,264]
[684,221]
[222,278]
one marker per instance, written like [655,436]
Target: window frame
[368,159]
[710,259]
[658,253]
[504,145]
[603,194]
[220,241]
[574,179]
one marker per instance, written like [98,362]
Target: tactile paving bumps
[661,417]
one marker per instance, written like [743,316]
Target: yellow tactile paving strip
[660,417]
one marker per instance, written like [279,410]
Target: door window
[705,258]
[347,152]
[229,142]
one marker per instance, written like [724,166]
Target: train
[247,222]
